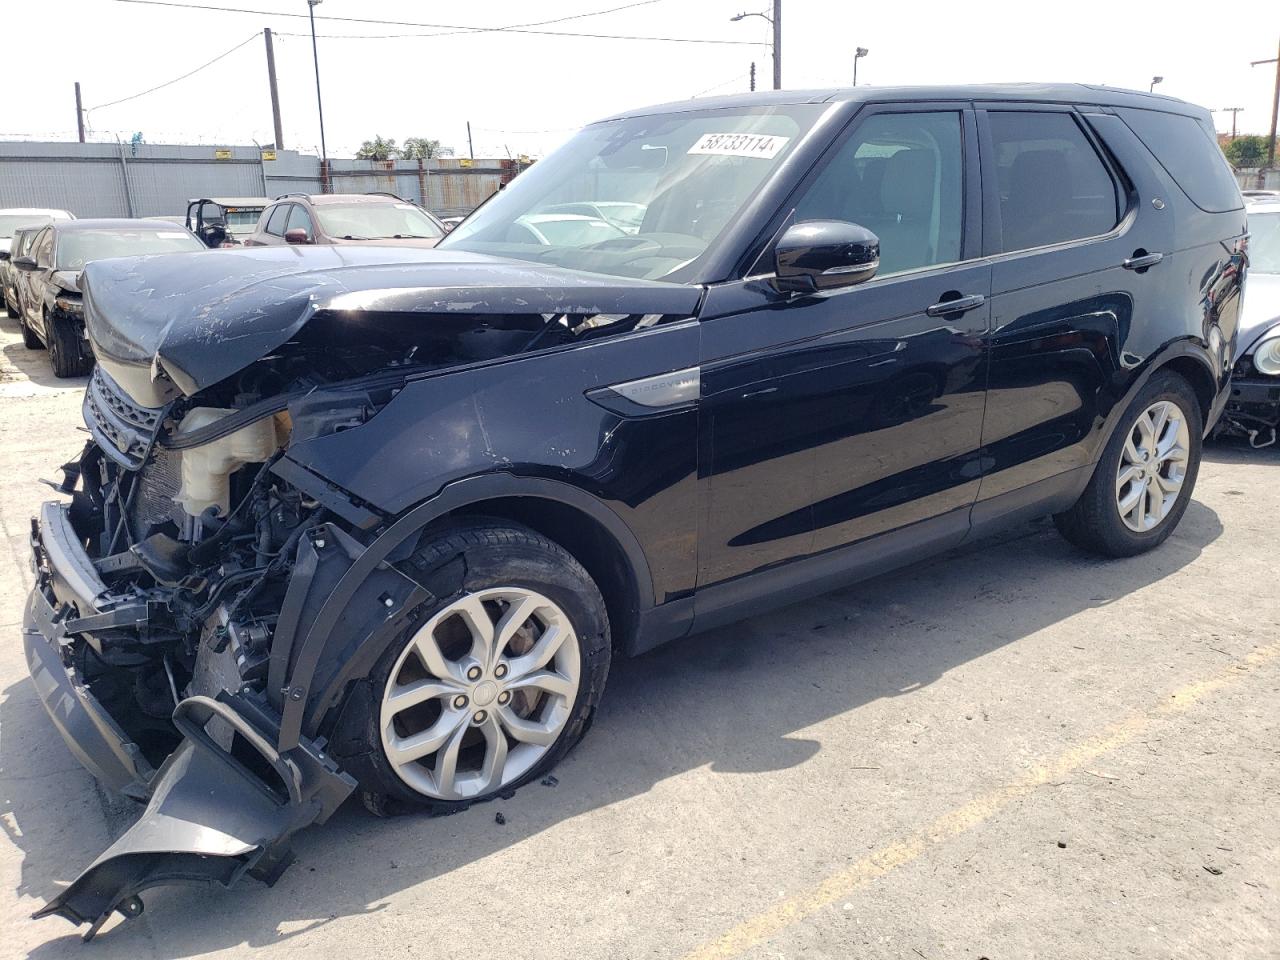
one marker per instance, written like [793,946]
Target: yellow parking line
[764,926]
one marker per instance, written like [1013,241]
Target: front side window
[641,196]
[299,219]
[1053,185]
[900,175]
[78,247]
[42,248]
[375,221]
[275,222]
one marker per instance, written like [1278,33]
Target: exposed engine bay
[204,603]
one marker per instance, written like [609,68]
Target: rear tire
[1143,482]
[65,351]
[525,713]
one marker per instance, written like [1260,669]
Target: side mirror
[296,235]
[5,254]
[26,263]
[825,255]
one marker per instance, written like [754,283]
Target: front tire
[492,683]
[30,339]
[66,355]
[1143,482]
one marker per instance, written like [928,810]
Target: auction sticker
[760,145]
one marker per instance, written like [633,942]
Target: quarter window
[900,175]
[1053,185]
[275,223]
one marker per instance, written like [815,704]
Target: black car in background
[51,309]
[376,520]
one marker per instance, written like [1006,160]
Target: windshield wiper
[351,237]
[407,236]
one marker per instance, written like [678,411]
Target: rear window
[1191,156]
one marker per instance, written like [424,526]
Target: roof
[1082,93]
[320,199]
[1262,206]
[112,223]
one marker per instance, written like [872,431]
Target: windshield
[375,221]
[11,223]
[1264,242]
[656,191]
[79,247]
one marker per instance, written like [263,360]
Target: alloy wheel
[480,693]
[1153,466]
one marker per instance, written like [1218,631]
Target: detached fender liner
[210,819]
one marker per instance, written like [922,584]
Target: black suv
[359,519]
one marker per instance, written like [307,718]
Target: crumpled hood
[200,317]
[1260,312]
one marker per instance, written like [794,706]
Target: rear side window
[1053,185]
[1191,156]
[275,223]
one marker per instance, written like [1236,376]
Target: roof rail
[388,193]
[283,195]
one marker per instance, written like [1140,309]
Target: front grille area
[122,429]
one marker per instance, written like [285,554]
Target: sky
[526,92]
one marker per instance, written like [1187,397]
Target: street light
[1154,81]
[315,58]
[776,22]
[858,54]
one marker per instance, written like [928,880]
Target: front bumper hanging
[211,816]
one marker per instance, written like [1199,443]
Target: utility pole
[777,44]
[471,150]
[315,58]
[1275,108]
[79,113]
[275,93]
[1233,111]
[776,22]
[753,76]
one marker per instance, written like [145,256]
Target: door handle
[1143,261]
[958,305]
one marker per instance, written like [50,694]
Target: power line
[456,28]
[169,83]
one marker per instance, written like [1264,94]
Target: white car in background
[13,220]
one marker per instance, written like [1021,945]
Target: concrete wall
[120,180]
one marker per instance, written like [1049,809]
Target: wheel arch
[586,527]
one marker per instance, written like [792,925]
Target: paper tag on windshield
[759,145]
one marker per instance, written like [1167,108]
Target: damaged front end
[203,601]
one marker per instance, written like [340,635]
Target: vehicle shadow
[695,703]
[33,365]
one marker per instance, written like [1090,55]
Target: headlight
[1267,357]
[67,305]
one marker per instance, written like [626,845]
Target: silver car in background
[1254,408]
